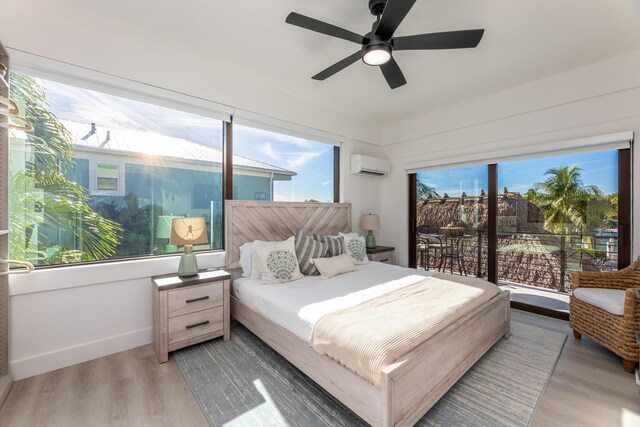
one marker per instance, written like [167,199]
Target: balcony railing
[537,259]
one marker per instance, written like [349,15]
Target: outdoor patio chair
[429,243]
[605,306]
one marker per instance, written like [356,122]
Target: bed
[284,315]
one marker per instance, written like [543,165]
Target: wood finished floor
[588,388]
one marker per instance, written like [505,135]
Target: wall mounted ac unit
[365,165]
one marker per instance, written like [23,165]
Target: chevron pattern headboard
[246,221]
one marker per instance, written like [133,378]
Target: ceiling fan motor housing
[377,6]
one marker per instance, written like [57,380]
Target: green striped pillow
[335,244]
[307,249]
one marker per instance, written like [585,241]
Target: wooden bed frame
[410,386]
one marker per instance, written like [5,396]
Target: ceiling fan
[377,46]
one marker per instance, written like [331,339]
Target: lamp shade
[188,231]
[163,226]
[369,222]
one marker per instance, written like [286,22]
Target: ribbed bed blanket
[371,335]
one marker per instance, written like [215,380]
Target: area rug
[243,382]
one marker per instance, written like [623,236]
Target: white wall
[63,316]
[598,99]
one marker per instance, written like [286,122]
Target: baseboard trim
[6,382]
[47,362]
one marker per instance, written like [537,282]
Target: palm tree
[424,191]
[42,197]
[564,198]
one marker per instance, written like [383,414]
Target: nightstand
[189,310]
[381,254]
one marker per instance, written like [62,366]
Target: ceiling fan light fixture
[376,54]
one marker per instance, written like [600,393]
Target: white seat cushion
[611,300]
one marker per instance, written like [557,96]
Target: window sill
[74,276]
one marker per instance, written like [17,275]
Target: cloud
[283,155]
[87,106]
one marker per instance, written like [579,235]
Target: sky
[312,161]
[598,168]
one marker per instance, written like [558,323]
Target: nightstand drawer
[195,298]
[386,257]
[192,325]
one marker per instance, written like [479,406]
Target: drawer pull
[189,301]
[195,325]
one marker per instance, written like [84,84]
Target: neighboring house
[164,176]
[115,162]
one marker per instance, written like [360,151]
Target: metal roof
[150,144]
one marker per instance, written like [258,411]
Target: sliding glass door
[451,214]
[527,225]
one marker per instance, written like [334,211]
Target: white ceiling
[523,41]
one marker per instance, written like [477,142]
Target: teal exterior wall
[247,187]
[152,191]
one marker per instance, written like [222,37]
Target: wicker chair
[616,332]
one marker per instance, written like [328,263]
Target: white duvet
[297,306]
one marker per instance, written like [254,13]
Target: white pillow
[276,261]
[246,259]
[356,249]
[329,267]
[353,234]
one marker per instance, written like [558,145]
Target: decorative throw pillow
[329,267]
[246,259]
[307,249]
[277,261]
[335,245]
[254,269]
[353,234]
[356,249]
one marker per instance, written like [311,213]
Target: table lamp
[370,222]
[188,232]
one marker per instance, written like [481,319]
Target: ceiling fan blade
[446,40]
[393,14]
[338,66]
[322,27]
[393,74]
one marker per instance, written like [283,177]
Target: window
[271,166]
[101,176]
[107,179]
[560,215]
